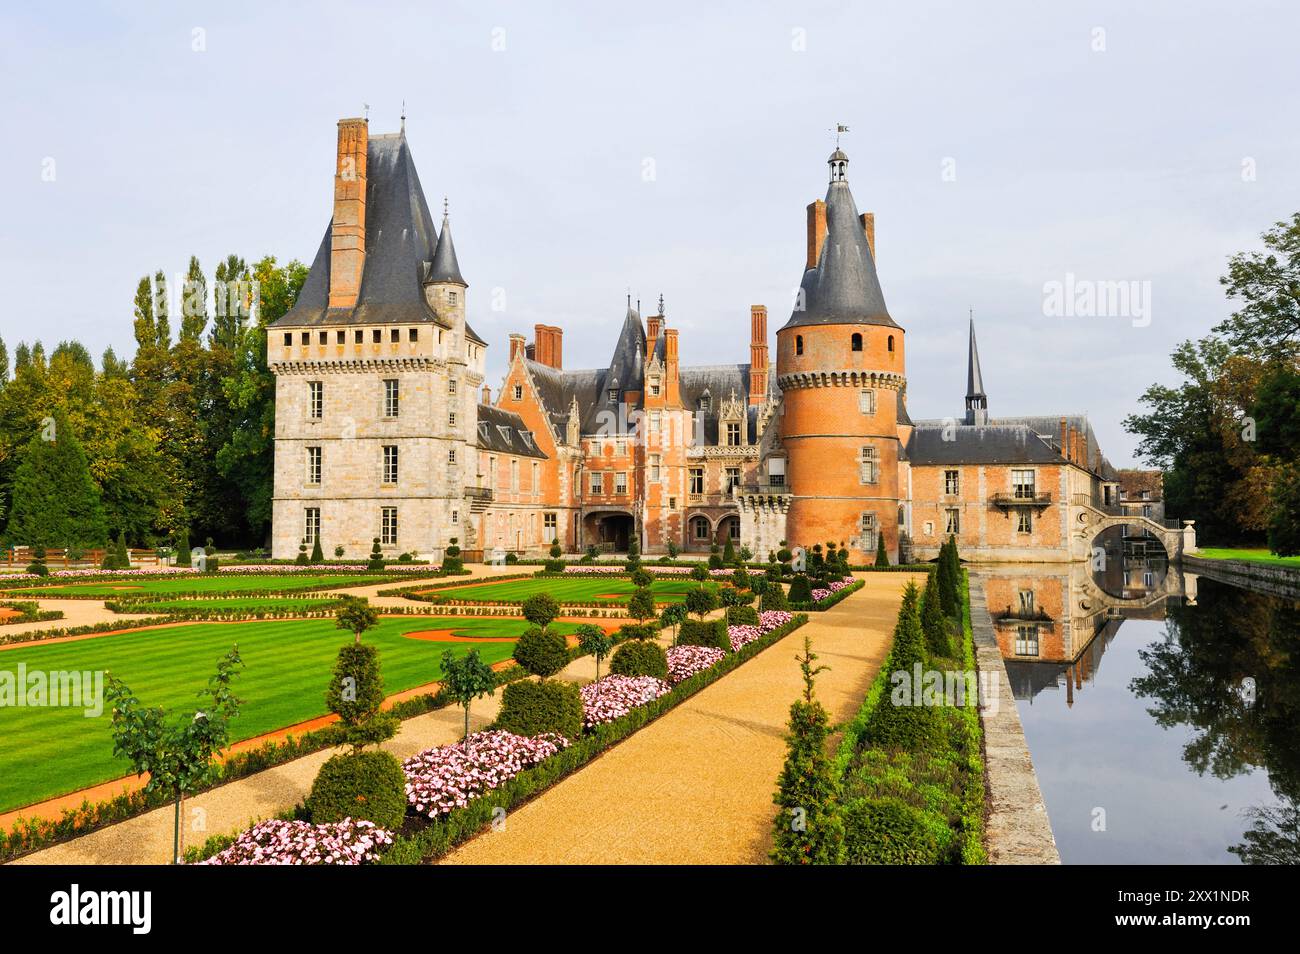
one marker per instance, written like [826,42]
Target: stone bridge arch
[1090,521]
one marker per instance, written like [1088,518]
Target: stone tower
[840,369]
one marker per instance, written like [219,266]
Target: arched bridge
[1090,520]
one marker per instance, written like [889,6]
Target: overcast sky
[590,148]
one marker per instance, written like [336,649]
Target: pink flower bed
[449,776]
[767,621]
[279,842]
[614,569]
[686,661]
[822,592]
[615,696]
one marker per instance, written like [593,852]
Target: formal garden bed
[26,611]
[99,586]
[454,791]
[906,783]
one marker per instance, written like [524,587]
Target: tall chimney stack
[517,346]
[869,226]
[653,325]
[757,354]
[348,230]
[816,231]
[672,390]
[487,395]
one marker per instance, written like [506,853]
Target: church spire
[976,400]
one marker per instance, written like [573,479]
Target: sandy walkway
[695,787]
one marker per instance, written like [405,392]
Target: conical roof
[974,379]
[445,268]
[843,288]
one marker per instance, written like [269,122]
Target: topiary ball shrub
[531,708]
[742,616]
[800,590]
[642,578]
[554,566]
[713,632]
[540,609]
[888,831]
[359,785]
[512,558]
[640,657]
[542,653]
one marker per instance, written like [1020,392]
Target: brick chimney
[869,226]
[348,231]
[1065,439]
[816,231]
[487,395]
[757,354]
[517,347]
[672,390]
[653,326]
[548,344]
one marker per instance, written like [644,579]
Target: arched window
[700,529]
[798,344]
[857,342]
[890,344]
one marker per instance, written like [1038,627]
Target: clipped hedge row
[28,611]
[825,604]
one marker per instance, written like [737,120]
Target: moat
[1159,708]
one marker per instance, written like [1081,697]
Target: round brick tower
[840,367]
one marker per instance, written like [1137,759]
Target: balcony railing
[1018,498]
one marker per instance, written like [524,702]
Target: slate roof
[626,371]
[401,242]
[974,379]
[843,288]
[504,432]
[933,443]
[445,268]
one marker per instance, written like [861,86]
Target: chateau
[385,426]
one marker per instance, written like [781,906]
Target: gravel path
[696,786]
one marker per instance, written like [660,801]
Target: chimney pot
[816,231]
[869,226]
[348,229]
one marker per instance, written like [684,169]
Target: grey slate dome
[843,289]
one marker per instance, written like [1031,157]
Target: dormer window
[733,434]
[613,395]
[706,402]
[504,431]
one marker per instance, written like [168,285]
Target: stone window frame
[620,483]
[451,455]
[867,401]
[1024,520]
[697,521]
[952,479]
[315,400]
[732,478]
[868,528]
[694,473]
[388,526]
[517,393]
[733,434]
[390,458]
[551,524]
[654,463]
[1016,487]
[311,524]
[392,398]
[868,465]
[952,520]
[315,465]
[1026,641]
[596,481]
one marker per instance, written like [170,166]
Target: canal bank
[1017,831]
[1255,575]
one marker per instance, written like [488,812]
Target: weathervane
[403,115]
[367,106]
[840,129]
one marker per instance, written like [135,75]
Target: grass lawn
[252,604]
[613,590]
[217,583]
[1254,556]
[287,664]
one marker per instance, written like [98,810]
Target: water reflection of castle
[1053,623]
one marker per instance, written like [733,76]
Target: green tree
[937,629]
[178,755]
[467,678]
[317,555]
[1268,285]
[356,695]
[540,609]
[882,555]
[54,499]
[729,554]
[808,828]
[633,552]
[701,600]
[356,615]
[595,642]
[673,615]
[641,606]
[542,652]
